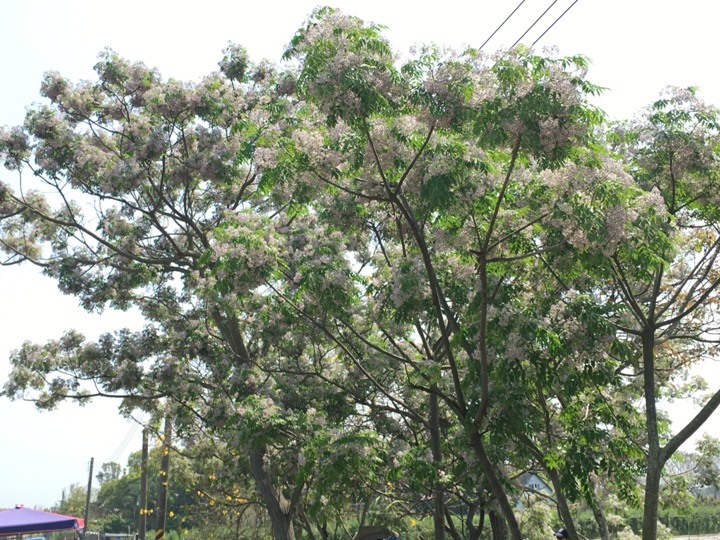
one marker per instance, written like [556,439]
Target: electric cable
[533,24]
[123,444]
[126,440]
[553,24]
[502,24]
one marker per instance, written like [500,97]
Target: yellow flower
[171,513]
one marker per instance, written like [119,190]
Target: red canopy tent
[21,520]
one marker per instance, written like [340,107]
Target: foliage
[73,501]
[118,499]
[375,290]
[108,472]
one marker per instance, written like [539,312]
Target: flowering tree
[169,198]
[157,204]
[420,279]
[438,167]
[470,178]
[663,270]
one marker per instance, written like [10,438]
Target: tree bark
[562,504]
[654,462]
[598,512]
[278,507]
[473,531]
[511,524]
[601,522]
[652,499]
[498,526]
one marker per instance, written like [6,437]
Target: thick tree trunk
[654,462]
[498,526]
[652,499]
[562,504]
[474,533]
[277,506]
[510,521]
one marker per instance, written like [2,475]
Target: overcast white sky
[637,47]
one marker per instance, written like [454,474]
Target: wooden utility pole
[142,524]
[164,480]
[87,499]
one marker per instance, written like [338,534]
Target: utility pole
[87,499]
[142,525]
[164,480]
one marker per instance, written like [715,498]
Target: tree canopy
[378,288]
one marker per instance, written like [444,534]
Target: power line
[553,24]
[126,440]
[533,24]
[123,444]
[502,24]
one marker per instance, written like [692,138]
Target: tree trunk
[601,522]
[510,524]
[498,526]
[438,490]
[654,461]
[277,506]
[473,531]
[452,530]
[598,512]
[652,499]
[561,502]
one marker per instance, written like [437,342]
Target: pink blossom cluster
[345,63]
[14,147]
[459,81]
